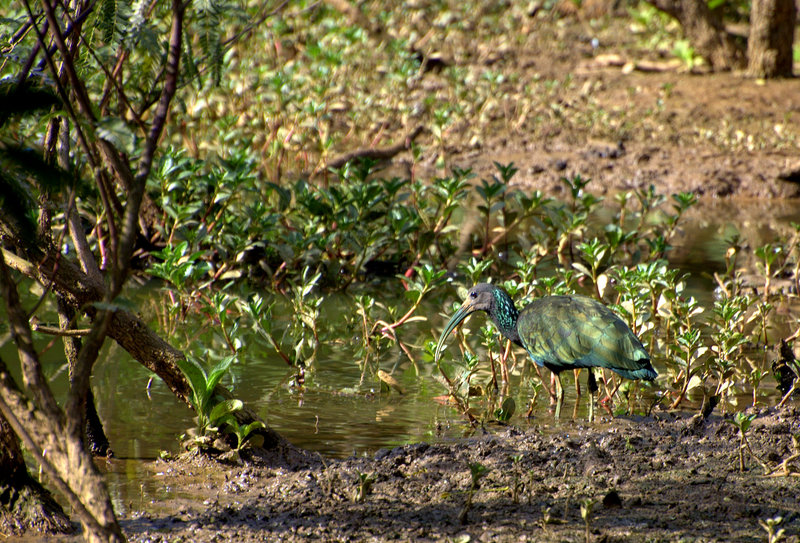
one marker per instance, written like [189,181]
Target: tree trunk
[704,29]
[25,506]
[769,47]
[96,439]
[55,437]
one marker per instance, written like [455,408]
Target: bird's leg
[605,399]
[591,384]
[577,373]
[494,373]
[504,365]
[559,396]
[609,394]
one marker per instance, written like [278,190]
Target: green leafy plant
[517,485]
[211,408]
[363,486]
[180,267]
[587,506]
[770,262]
[742,421]
[686,53]
[770,525]
[688,350]
[244,432]
[506,410]
[728,339]
[477,471]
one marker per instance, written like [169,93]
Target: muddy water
[341,410]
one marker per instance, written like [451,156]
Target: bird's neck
[505,316]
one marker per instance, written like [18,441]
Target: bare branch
[32,373]
[88,262]
[54,331]
[132,334]
[136,189]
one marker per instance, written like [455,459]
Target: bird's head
[481,297]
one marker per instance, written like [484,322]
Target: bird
[560,333]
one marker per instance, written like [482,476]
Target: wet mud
[667,477]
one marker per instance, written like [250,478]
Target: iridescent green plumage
[561,332]
[565,332]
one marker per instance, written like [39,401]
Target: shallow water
[341,411]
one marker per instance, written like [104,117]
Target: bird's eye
[473,294]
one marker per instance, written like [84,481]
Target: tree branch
[32,373]
[136,189]
[132,334]
[33,449]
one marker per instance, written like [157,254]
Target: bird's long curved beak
[462,313]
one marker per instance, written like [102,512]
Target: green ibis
[560,333]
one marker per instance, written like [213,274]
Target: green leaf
[477,470]
[217,373]
[506,410]
[581,268]
[112,19]
[210,14]
[197,378]
[224,408]
[255,425]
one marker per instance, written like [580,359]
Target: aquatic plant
[338,237]
[210,407]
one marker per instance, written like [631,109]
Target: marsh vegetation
[276,228]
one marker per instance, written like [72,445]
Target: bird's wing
[575,332]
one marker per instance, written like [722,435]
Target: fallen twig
[375,153]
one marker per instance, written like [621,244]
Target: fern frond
[113,19]
[136,22]
[210,25]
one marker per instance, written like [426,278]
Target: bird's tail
[648,373]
